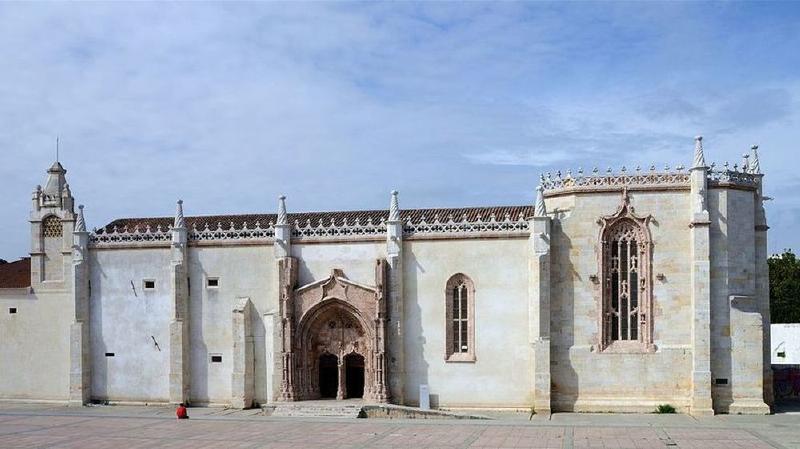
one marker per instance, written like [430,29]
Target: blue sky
[335,104]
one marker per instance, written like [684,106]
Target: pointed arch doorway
[335,341]
[334,335]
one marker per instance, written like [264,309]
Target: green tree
[784,288]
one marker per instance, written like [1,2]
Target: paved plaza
[49,426]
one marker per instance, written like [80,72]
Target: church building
[611,292]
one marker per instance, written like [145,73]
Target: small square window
[212,283]
[216,358]
[109,354]
[12,310]
[149,284]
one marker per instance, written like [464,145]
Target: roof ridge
[143,221]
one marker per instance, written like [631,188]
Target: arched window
[626,312]
[460,322]
[52,227]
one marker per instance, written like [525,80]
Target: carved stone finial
[755,165]
[540,210]
[394,207]
[745,163]
[283,218]
[699,157]
[626,198]
[80,223]
[179,221]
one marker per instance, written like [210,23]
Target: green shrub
[665,408]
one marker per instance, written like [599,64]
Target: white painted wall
[785,339]
[500,376]
[34,346]
[243,271]
[357,259]
[125,319]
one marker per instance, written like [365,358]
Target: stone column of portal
[179,387]
[380,391]
[79,355]
[699,231]
[395,334]
[341,387]
[539,304]
[242,378]
[287,276]
[762,272]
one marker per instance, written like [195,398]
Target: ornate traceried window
[52,227]
[625,254]
[460,307]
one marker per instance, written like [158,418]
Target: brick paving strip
[120,427]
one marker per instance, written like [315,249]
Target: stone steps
[299,409]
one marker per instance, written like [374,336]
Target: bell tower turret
[52,226]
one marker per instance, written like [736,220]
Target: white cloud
[229,105]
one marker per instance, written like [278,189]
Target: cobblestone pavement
[117,427]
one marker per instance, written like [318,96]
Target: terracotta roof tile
[338,217]
[16,274]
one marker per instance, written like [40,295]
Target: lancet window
[460,307]
[626,316]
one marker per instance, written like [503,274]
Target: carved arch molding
[333,318]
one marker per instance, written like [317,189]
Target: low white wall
[34,348]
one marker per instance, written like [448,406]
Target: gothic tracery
[626,299]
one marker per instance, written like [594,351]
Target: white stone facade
[221,310]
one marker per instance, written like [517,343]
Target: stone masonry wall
[583,379]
